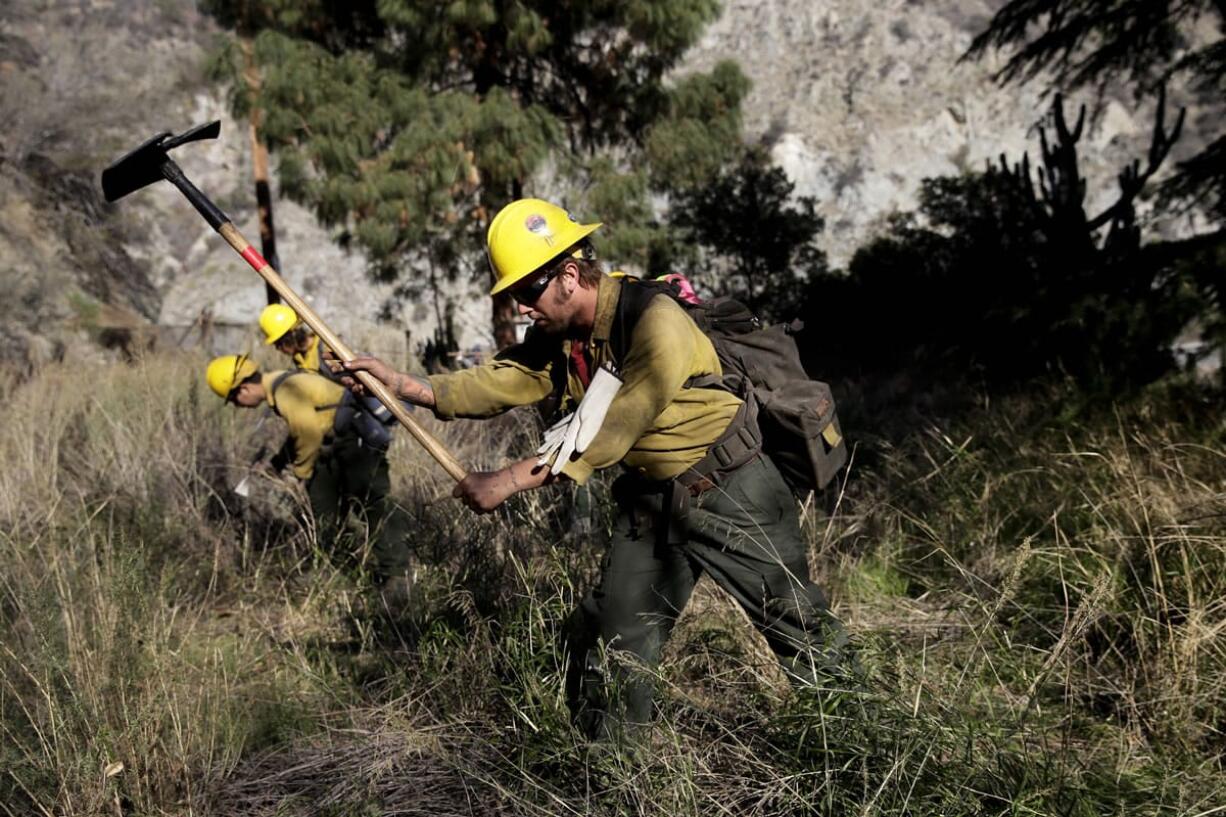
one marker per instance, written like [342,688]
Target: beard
[546,326]
[555,325]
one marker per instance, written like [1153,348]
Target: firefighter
[696,494]
[343,472]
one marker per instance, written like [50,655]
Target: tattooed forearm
[414,389]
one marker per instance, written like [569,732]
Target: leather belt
[700,486]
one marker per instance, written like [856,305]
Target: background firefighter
[343,474]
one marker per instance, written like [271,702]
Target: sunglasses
[528,294]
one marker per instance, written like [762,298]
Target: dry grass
[1040,604]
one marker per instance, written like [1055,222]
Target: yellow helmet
[228,371]
[276,320]
[526,235]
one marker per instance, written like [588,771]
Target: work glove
[552,441]
[572,434]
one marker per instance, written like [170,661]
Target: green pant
[746,535]
[351,478]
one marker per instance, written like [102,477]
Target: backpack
[761,365]
[368,418]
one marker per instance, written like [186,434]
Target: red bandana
[578,355]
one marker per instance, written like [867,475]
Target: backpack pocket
[801,434]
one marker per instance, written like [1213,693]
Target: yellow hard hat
[526,235]
[228,371]
[276,320]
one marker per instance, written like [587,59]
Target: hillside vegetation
[1038,590]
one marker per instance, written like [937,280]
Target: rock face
[63,265]
[861,101]
[103,78]
[858,103]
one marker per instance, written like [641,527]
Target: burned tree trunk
[1060,200]
[259,165]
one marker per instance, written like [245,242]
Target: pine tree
[1089,43]
[747,220]
[407,123]
[1145,44]
[1008,275]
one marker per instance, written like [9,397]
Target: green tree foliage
[992,279]
[930,293]
[1088,43]
[406,123]
[755,233]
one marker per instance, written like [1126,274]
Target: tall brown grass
[1039,601]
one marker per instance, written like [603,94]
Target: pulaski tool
[151,163]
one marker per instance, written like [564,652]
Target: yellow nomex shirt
[309,360]
[654,426]
[308,402]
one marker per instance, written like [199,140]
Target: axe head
[144,166]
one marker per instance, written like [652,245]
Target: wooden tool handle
[375,386]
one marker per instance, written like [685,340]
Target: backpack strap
[277,383]
[738,445]
[281,378]
[631,304]
[741,441]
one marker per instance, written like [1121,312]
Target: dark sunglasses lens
[531,293]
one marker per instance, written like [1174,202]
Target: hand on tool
[405,386]
[483,491]
[266,468]
[381,371]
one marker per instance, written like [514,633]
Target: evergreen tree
[953,288]
[755,233]
[996,278]
[1144,43]
[407,123]
[1089,43]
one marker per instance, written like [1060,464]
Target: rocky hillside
[861,101]
[83,83]
[858,102]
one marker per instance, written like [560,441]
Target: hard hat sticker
[537,225]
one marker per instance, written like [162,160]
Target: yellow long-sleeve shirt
[654,425]
[308,402]
[309,360]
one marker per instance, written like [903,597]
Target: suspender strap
[286,375]
[276,384]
